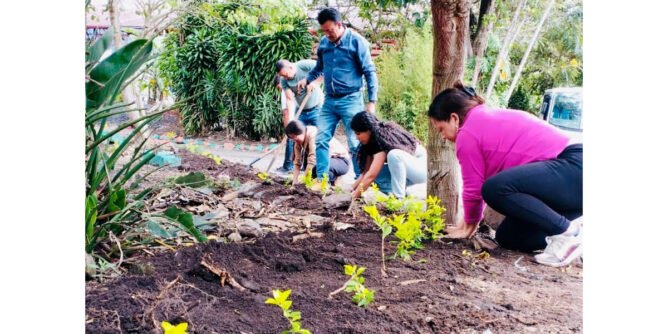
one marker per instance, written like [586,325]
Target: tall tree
[451,28]
[513,31]
[481,36]
[520,68]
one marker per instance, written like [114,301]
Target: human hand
[371,107]
[301,84]
[462,230]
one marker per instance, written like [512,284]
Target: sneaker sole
[574,254]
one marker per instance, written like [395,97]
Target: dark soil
[457,293]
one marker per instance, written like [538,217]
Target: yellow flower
[171,329]
[574,62]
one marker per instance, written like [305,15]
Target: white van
[562,107]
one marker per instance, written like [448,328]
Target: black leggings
[538,199]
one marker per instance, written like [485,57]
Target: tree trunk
[507,42]
[481,38]
[525,57]
[451,29]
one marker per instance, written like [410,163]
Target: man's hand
[311,87]
[301,84]
[461,230]
[371,107]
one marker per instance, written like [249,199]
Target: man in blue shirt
[343,58]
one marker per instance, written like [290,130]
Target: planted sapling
[294,317]
[385,229]
[308,180]
[264,177]
[409,233]
[433,217]
[363,296]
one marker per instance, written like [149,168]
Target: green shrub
[405,81]
[222,57]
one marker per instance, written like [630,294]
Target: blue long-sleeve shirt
[343,65]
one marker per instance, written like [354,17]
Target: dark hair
[295,127]
[329,14]
[457,100]
[277,80]
[386,135]
[280,64]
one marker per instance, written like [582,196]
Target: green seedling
[264,177]
[393,204]
[324,185]
[385,229]
[363,296]
[308,180]
[287,183]
[294,317]
[377,194]
[409,233]
[433,218]
[171,329]
[338,190]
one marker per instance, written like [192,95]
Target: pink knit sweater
[493,140]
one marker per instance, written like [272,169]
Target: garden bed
[444,289]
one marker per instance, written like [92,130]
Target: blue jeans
[335,110]
[308,118]
[402,169]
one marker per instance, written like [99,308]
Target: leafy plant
[308,180]
[393,204]
[185,219]
[171,329]
[363,296]
[324,185]
[433,217]
[281,300]
[107,208]
[192,179]
[264,177]
[409,233]
[385,229]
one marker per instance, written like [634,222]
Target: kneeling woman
[304,151]
[520,166]
[382,142]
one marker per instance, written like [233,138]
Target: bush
[404,77]
[221,57]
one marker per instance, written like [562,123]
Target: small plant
[385,229]
[281,300]
[338,190]
[287,183]
[264,177]
[377,194]
[324,183]
[409,233]
[433,217]
[308,180]
[363,296]
[171,329]
[393,204]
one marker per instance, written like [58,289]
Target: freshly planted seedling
[324,185]
[171,329]
[264,177]
[409,233]
[433,217]
[294,317]
[393,204]
[308,180]
[385,229]
[363,296]
[338,190]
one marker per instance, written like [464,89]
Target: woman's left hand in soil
[461,230]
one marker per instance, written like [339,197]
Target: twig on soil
[166,245]
[161,295]
[412,281]
[120,250]
[522,321]
[225,277]
[335,292]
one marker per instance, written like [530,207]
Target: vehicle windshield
[567,111]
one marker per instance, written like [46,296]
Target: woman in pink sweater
[520,166]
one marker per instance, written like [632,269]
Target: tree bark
[525,57]
[513,31]
[451,28]
[485,25]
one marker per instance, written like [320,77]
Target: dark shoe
[283,170]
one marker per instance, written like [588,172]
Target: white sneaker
[561,249]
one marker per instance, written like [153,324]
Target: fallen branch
[412,281]
[225,277]
[161,295]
